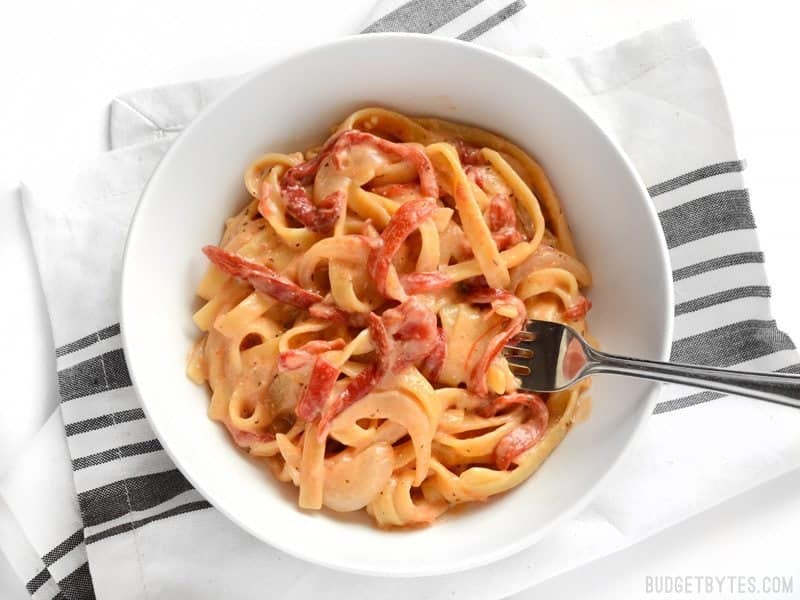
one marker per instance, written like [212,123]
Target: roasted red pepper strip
[422,282]
[579,309]
[433,363]
[320,385]
[246,439]
[291,360]
[467,153]
[297,358]
[514,443]
[477,378]
[413,333]
[526,435]
[329,312]
[322,217]
[492,407]
[402,224]
[500,213]
[502,221]
[409,152]
[262,278]
[397,190]
[366,380]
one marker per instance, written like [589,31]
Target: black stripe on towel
[731,166]
[422,16]
[37,581]
[78,584]
[107,371]
[748,291]
[105,456]
[87,341]
[109,420]
[63,548]
[125,527]
[51,557]
[686,401]
[111,501]
[493,21]
[720,262]
[731,344]
[707,216]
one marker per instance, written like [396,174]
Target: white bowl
[291,105]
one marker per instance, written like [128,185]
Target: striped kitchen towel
[114,517]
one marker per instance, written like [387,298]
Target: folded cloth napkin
[129,525]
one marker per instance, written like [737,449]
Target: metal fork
[552,356]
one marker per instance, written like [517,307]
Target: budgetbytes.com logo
[725,586]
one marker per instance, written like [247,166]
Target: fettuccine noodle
[356,310]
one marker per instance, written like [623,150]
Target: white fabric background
[66,142]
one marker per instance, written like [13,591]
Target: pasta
[355,313]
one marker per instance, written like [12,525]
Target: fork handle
[781,388]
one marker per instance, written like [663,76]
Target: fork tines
[517,352]
[522,370]
[524,336]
